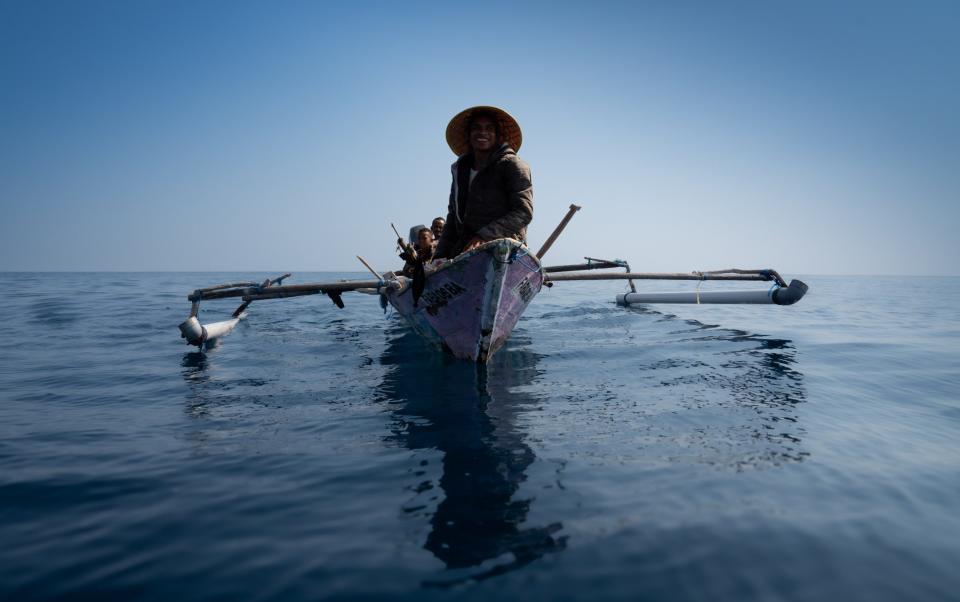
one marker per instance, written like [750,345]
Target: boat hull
[471,304]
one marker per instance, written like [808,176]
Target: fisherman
[492,195]
[424,249]
[425,244]
[436,226]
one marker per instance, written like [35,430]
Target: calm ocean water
[668,453]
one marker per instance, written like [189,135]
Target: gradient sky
[811,137]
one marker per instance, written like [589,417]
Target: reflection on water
[762,377]
[196,374]
[194,362]
[469,413]
[672,452]
[699,395]
[744,387]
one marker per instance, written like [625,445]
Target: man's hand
[475,242]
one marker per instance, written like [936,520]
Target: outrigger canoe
[469,305]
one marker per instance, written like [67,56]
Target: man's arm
[519,199]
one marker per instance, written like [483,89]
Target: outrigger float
[468,306]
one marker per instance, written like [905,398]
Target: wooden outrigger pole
[470,304]
[779,294]
[197,334]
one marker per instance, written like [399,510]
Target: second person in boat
[492,193]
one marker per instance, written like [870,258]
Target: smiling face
[437,227]
[483,134]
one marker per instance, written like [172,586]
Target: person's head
[483,128]
[437,226]
[424,238]
[505,129]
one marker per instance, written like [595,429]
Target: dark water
[683,453]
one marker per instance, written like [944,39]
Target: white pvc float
[198,334]
[778,295]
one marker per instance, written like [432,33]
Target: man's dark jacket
[498,204]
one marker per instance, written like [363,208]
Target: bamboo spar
[651,276]
[197,334]
[780,294]
[367,265]
[553,237]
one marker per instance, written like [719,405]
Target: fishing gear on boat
[410,256]
[407,251]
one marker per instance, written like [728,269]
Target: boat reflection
[469,413]
[749,372]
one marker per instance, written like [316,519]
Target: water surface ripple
[669,453]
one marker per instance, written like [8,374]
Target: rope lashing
[702,277]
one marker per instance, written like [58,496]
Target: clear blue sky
[812,137]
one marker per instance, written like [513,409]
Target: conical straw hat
[459,138]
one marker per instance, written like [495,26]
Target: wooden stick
[246,283]
[367,265]
[650,276]
[596,265]
[556,232]
[246,303]
[404,245]
[278,295]
[230,285]
[322,287]
[773,273]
